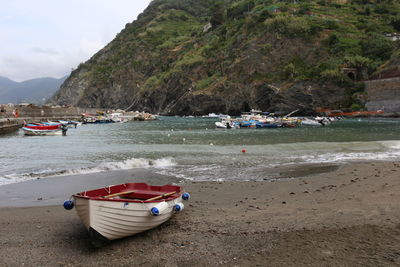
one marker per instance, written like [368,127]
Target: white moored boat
[118,211]
[310,122]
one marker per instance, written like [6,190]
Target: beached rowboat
[118,211]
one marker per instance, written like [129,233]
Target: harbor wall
[383,94]
[31,113]
[8,125]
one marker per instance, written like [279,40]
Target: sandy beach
[349,216]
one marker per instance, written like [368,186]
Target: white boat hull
[32,132]
[221,125]
[310,123]
[115,219]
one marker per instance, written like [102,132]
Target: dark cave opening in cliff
[245,107]
[352,76]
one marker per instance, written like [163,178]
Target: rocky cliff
[192,57]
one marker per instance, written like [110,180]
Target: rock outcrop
[264,55]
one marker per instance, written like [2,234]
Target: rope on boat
[109,189]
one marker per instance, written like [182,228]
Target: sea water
[192,148]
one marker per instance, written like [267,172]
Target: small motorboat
[226,124]
[247,124]
[310,122]
[123,210]
[266,125]
[44,128]
[70,124]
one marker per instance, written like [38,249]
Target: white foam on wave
[260,161]
[345,157]
[128,164]
[135,163]
[395,145]
[6,180]
[352,151]
[228,162]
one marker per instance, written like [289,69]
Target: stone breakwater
[16,115]
[32,112]
[8,125]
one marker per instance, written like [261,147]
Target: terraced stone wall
[383,94]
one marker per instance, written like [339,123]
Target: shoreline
[349,216]
[54,190]
[46,191]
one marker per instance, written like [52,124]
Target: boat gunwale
[178,193]
[170,198]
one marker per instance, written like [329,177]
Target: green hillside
[200,56]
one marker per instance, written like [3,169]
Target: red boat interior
[133,192]
[38,126]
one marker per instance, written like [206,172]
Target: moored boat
[118,211]
[44,128]
[260,124]
[70,124]
[310,122]
[317,121]
[227,124]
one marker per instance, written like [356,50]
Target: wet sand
[54,190]
[349,216]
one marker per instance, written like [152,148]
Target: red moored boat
[46,128]
[41,126]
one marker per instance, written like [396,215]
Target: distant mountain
[5,82]
[35,91]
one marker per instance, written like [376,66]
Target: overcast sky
[47,38]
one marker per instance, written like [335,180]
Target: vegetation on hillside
[249,42]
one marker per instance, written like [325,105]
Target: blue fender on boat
[178,207]
[68,204]
[160,208]
[186,196]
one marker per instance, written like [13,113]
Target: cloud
[48,51]
[46,62]
[38,66]
[47,38]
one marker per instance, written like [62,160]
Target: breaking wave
[128,164]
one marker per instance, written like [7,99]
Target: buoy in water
[243,150]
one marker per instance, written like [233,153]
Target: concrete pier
[9,121]
[16,115]
[8,125]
